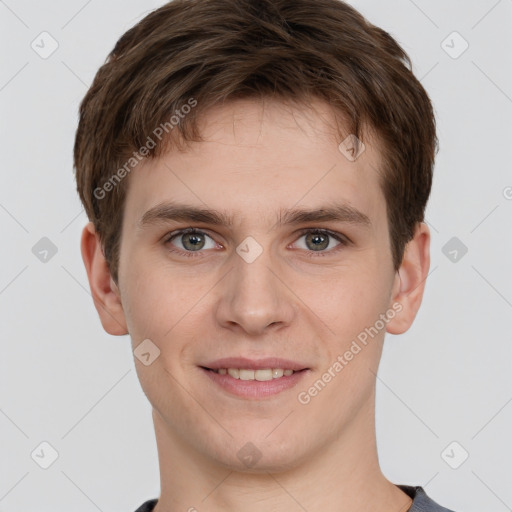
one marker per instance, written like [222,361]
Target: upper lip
[255,364]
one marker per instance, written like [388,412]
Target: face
[258,282]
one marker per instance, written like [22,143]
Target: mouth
[254,380]
[261,375]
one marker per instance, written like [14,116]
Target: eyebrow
[170,211]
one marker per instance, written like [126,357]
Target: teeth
[260,375]
[234,372]
[263,375]
[246,374]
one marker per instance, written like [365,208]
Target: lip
[254,389]
[255,364]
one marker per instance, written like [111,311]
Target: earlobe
[410,280]
[104,291]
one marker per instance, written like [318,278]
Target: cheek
[348,301]
[151,305]
[166,310]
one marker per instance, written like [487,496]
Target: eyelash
[313,254]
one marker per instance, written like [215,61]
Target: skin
[254,162]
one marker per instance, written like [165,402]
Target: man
[255,174]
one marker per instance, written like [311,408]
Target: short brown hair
[212,51]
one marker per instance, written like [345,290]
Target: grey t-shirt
[421,502]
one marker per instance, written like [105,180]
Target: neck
[344,476]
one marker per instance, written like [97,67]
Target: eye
[320,241]
[191,240]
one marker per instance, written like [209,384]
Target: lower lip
[255,388]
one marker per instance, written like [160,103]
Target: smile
[260,375]
[259,384]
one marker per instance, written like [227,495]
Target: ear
[105,293]
[410,278]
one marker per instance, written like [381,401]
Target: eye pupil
[320,241]
[194,239]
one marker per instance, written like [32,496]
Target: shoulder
[421,501]
[148,506]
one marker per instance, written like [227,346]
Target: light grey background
[66,382]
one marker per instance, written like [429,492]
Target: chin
[259,456]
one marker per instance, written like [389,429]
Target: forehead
[258,160]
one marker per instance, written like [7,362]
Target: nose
[253,297]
